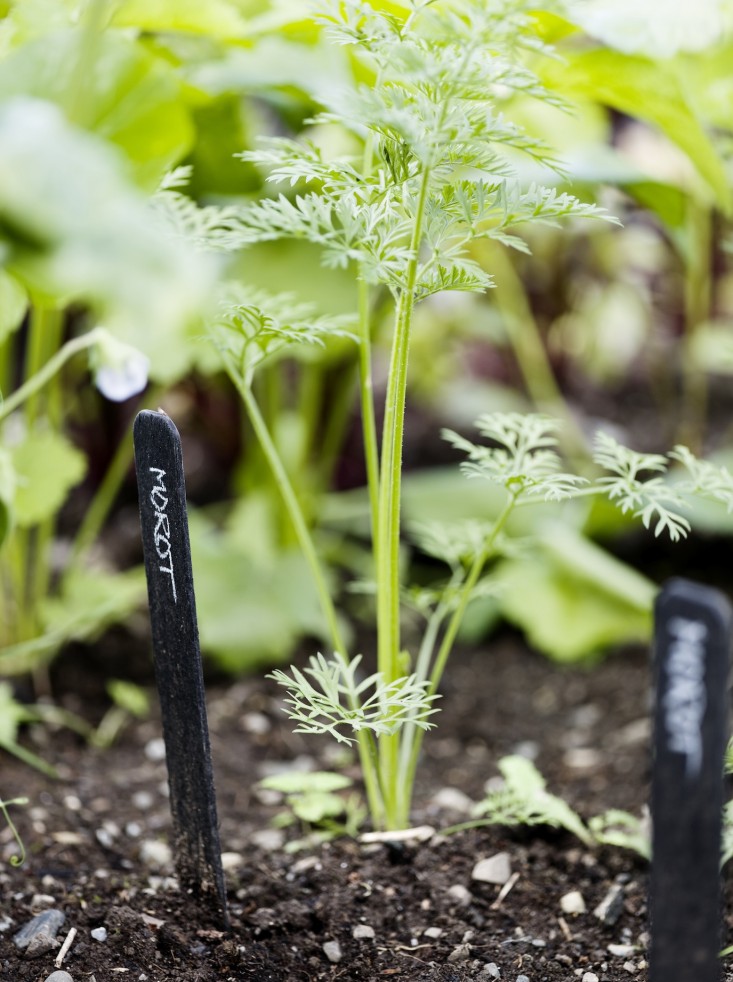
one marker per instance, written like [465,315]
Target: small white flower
[120,371]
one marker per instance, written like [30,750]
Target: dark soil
[89,838]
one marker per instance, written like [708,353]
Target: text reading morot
[685,699]
[162,531]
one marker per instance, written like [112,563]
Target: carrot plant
[435,175]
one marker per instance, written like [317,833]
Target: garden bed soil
[344,910]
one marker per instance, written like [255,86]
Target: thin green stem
[408,770]
[292,505]
[524,336]
[47,372]
[367,753]
[698,289]
[20,858]
[467,589]
[388,526]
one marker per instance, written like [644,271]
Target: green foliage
[73,227]
[524,800]
[618,828]
[130,98]
[40,456]
[570,597]
[436,175]
[649,90]
[328,698]
[311,798]
[243,577]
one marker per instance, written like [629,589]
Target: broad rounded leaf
[132,99]
[47,466]
[644,90]
[77,229]
[215,18]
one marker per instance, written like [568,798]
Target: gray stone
[59,977]
[491,971]
[44,925]
[460,954]
[496,869]
[99,933]
[609,909]
[522,978]
[332,951]
[589,977]
[363,932]
[460,895]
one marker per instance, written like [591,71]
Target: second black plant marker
[178,672]
[692,659]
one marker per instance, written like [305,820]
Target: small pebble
[59,977]
[460,954]
[142,800]
[155,750]
[268,839]
[155,853]
[460,894]
[452,800]
[496,869]
[231,860]
[99,933]
[42,900]
[522,978]
[492,970]
[582,758]
[621,950]
[363,932]
[589,977]
[433,932]
[332,951]
[573,903]
[256,723]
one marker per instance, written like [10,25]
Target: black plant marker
[164,521]
[692,659]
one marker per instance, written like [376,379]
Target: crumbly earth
[345,910]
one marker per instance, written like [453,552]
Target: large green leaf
[275,63]
[90,601]
[647,90]
[46,466]
[572,599]
[76,229]
[132,99]
[215,18]
[254,601]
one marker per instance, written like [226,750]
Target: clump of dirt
[96,842]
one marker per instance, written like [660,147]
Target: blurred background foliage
[629,327]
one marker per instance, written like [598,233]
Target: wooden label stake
[178,673]
[692,660]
